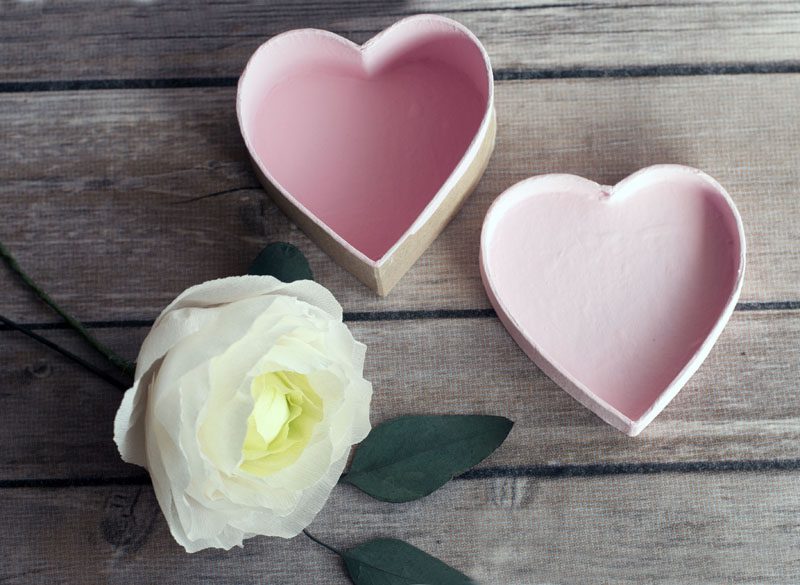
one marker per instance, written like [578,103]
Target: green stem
[124,365]
[322,544]
[68,354]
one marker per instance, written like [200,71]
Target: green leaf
[409,457]
[283,261]
[387,561]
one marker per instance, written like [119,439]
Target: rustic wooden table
[125,180]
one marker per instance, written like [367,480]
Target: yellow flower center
[285,411]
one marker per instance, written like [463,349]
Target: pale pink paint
[617,293]
[364,139]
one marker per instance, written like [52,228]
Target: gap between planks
[550,472]
[667,70]
[407,315]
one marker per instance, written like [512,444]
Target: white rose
[247,397]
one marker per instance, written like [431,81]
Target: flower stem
[124,365]
[322,544]
[68,354]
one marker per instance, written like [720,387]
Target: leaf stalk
[322,544]
[122,364]
[66,353]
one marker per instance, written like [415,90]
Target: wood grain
[103,188]
[62,39]
[666,529]
[56,421]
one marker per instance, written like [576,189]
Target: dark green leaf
[283,261]
[388,561]
[409,457]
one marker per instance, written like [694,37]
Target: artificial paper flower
[248,396]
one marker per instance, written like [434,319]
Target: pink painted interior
[617,292]
[365,142]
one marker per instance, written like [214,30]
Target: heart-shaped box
[370,149]
[616,293]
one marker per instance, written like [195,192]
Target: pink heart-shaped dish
[616,293]
[370,149]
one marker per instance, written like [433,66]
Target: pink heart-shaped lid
[617,293]
[367,140]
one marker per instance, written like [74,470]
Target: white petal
[235,288]
[311,502]
[350,424]
[166,333]
[129,428]
[130,421]
[163,488]
[181,317]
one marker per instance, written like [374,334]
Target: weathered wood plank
[90,40]
[100,183]
[56,421]
[695,528]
